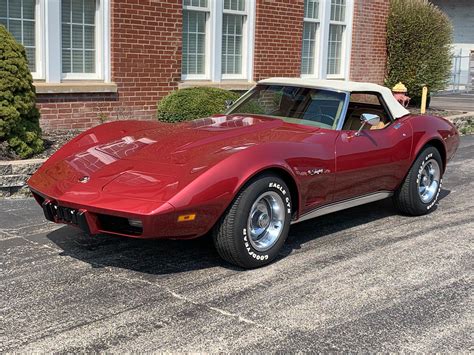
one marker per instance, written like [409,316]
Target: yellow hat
[399,88]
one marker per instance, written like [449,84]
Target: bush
[192,103]
[419,38]
[19,118]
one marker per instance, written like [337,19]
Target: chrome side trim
[342,205]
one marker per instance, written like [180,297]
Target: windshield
[306,106]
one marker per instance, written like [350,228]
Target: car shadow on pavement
[175,256]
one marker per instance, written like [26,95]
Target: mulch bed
[53,140]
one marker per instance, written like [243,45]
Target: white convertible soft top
[394,106]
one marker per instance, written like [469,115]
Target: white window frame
[48,41]
[322,45]
[99,40]
[317,43]
[245,31]
[213,54]
[38,74]
[207,46]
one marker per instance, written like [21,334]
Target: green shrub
[191,103]
[19,117]
[419,38]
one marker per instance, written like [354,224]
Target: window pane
[29,33]
[89,12]
[238,5]
[89,62]
[15,29]
[338,10]
[18,16]
[336,33]
[14,9]
[309,46]
[311,9]
[66,61]
[78,36]
[77,61]
[194,42]
[77,11]
[30,54]
[232,33]
[3,8]
[197,3]
[29,9]
[89,40]
[66,10]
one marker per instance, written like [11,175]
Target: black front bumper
[60,214]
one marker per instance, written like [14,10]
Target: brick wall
[278,38]
[369,50]
[146,65]
[146,56]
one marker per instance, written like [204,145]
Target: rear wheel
[419,192]
[254,228]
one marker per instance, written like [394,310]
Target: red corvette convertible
[287,151]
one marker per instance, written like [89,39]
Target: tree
[419,44]
[19,117]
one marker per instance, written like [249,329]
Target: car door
[374,158]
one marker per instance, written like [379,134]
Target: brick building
[114,59]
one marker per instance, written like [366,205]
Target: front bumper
[96,219]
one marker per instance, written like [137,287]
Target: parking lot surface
[366,279]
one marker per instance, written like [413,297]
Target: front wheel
[253,229]
[419,192]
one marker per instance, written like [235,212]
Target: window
[19,17]
[325,44]
[310,37]
[76,34]
[195,15]
[366,103]
[216,41]
[307,106]
[337,28]
[233,23]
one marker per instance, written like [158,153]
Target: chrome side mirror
[368,119]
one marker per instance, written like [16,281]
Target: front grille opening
[118,225]
[37,197]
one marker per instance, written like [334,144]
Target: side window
[366,104]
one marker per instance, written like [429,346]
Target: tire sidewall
[426,154]
[248,254]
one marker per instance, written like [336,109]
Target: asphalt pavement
[366,279]
[453,102]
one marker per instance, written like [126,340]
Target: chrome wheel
[429,180]
[266,221]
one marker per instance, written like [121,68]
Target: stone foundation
[14,176]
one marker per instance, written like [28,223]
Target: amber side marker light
[187,217]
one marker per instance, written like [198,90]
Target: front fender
[210,194]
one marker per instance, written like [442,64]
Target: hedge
[19,117]
[419,38]
[191,103]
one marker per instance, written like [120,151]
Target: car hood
[153,160]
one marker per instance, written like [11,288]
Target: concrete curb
[14,174]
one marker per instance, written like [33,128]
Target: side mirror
[368,119]
[228,103]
